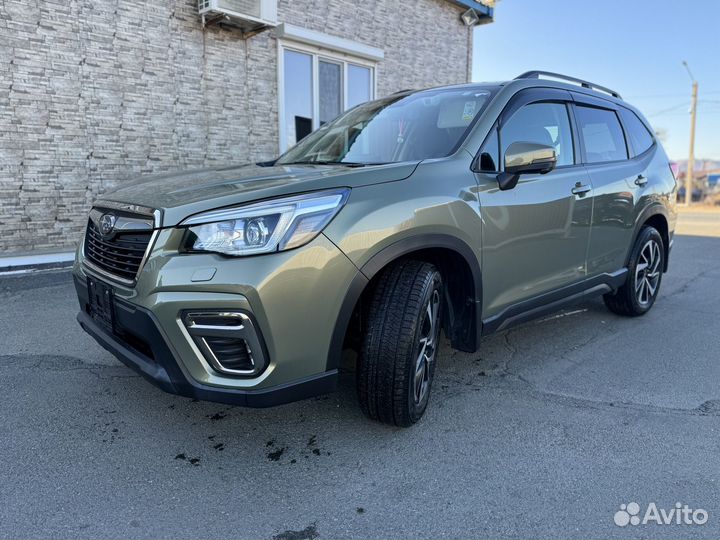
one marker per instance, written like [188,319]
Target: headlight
[264,227]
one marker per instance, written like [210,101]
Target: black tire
[637,295]
[392,349]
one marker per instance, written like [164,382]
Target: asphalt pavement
[543,433]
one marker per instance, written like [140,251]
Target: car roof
[542,79]
[538,79]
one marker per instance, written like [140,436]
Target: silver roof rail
[584,84]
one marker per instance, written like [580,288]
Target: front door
[535,236]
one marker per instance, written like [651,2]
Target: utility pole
[691,155]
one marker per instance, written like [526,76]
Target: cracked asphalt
[544,432]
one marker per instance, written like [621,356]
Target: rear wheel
[397,360]
[638,293]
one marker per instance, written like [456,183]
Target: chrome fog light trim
[202,325]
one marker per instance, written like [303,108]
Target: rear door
[535,236]
[605,153]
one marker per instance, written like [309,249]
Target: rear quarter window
[601,134]
[640,138]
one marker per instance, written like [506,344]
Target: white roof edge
[320,39]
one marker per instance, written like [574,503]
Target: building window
[316,87]
[298,77]
[360,85]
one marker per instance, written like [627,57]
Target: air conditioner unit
[246,14]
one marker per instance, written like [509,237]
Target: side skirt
[553,301]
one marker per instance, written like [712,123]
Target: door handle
[640,180]
[580,189]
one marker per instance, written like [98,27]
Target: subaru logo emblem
[107,222]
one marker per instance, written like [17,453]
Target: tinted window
[602,135]
[640,138]
[543,123]
[488,161]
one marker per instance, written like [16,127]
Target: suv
[465,208]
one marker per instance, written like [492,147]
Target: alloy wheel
[429,334]
[647,272]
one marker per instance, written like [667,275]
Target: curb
[22,264]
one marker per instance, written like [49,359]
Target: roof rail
[584,84]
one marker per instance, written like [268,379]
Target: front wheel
[397,359]
[647,261]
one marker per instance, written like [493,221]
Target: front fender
[437,207]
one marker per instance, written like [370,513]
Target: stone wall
[93,92]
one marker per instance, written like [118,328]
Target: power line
[647,96]
[669,109]
[705,111]
[683,113]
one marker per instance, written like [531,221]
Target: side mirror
[526,158]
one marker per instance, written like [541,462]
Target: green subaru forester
[465,209]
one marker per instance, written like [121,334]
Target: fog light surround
[228,340]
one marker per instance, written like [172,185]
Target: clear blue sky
[635,47]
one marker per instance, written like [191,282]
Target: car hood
[179,195]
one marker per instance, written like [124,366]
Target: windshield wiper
[343,163]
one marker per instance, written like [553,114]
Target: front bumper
[298,301]
[153,358]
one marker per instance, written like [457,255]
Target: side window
[601,133]
[640,138]
[543,123]
[489,153]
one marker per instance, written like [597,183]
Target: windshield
[418,126]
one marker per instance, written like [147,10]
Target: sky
[635,47]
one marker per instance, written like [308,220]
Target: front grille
[120,255]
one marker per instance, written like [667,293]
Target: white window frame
[317,54]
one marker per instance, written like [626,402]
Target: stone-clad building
[93,92]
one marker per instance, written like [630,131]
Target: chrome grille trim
[108,256]
[140,210]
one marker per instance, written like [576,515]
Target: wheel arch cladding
[462,279]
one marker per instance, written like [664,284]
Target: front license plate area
[101,304]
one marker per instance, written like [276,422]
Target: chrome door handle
[640,180]
[580,189]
